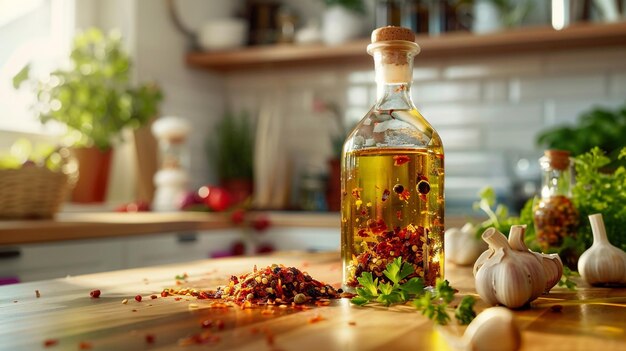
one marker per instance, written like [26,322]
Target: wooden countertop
[78,226]
[591,318]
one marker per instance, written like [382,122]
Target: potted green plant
[601,127]
[231,152]
[95,99]
[342,20]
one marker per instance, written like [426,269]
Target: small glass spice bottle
[555,215]
[392,201]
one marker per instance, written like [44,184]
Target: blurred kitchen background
[292,76]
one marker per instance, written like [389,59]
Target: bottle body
[392,196]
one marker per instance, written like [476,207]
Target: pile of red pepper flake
[275,284]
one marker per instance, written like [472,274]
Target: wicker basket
[31,192]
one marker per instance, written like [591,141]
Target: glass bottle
[392,174]
[554,214]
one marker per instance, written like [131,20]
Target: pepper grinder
[172,179]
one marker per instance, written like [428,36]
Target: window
[37,32]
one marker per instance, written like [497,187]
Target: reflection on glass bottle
[392,174]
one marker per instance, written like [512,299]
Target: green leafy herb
[465,313]
[432,304]
[394,292]
[435,311]
[497,217]
[600,190]
[565,278]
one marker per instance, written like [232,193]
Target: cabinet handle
[10,253]
[187,237]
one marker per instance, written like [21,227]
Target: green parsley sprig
[431,303]
[392,292]
[566,280]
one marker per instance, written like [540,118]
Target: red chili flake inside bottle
[362,233]
[208,323]
[356,192]
[95,294]
[405,195]
[153,297]
[399,160]
[399,215]
[165,293]
[138,298]
[50,342]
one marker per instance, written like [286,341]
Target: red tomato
[218,199]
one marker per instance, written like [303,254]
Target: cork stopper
[392,33]
[558,159]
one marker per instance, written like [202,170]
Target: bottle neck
[394,74]
[556,182]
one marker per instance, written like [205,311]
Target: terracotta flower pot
[93,174]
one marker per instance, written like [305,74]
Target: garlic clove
[553,266]
[532,260]
[493,329]
[462,247]
[602,263]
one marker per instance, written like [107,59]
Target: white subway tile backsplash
[508,139]
[460,139]
[358,96]
[568,111]
[474,164]
[504,66]
[594,60]
[446,91]
[487,115]
[587,86]
[617,85]
[495,90]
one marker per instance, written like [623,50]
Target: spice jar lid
[558,159]
[392,33]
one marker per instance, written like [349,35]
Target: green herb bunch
[431,303]
[599,192]
[599,127]
[231,148]
[498,218]
[94,96]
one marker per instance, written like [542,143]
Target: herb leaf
[358,300]
[392,271]
[370,286]
[465,313]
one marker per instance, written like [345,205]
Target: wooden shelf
[523,40]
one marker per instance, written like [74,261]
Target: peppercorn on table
[61,315]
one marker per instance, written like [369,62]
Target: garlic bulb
[602,263]
[533,263]
[493,329]
[551,263]
[462,247]
[504,276]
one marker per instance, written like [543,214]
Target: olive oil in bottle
[392,175]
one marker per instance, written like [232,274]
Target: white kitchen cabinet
[56,260]
[173,248]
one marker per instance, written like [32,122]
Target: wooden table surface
[591,318]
